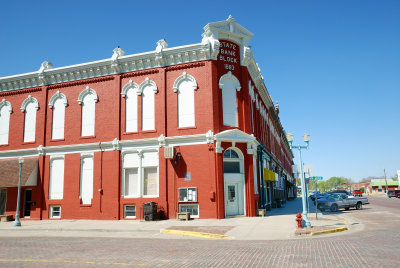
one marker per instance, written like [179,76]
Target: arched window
[29,107]
[229,84]
[87,99]
[5,111]
[232,161]
[148,89]
[185,85]
[58,103]
[130,93]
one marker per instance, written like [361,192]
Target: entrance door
[27,203]
[232,199]
[3,199]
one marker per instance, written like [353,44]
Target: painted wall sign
[229,56]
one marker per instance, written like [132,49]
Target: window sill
[129,133]
[56,140]
[4,145]
[29,142]
[184,128]
[149,131]
[86,205]
[87,137]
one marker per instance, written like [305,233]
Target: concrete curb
[197,234]
[329,231]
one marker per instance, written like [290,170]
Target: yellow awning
[269,175]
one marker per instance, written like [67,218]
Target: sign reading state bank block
[229,56]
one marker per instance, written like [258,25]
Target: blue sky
[334,66]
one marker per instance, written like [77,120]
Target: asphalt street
[373,241]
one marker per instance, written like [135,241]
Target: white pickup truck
[334,202]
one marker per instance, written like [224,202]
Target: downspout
[101,175]
[45,88]
[261,177]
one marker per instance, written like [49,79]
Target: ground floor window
[188,194]
[140,175]
[193,209]
[129,211]
[55,212]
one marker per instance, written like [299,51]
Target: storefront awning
[269,175]
[9,172]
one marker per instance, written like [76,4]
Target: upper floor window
[87,99]
[5,111]
[130,93]
[148,89]
[29,107]
[229,84]
[58,102]
[185,85]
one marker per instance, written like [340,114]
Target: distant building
[379,185]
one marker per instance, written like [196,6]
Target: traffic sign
[315,178]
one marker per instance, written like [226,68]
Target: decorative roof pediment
[234,135]
[229,29]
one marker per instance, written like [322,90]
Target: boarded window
[186,104]
[30,122]
[58,119]
[229,103]
[56,188]
[131,110]
[86,187]
[88,115]
[4,124]
[148,108]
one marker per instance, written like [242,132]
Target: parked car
[336,201]
[341,192]
[313,194]
[357,193]
[398,195]
[392,193]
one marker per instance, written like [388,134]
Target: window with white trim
[5,111]
[86,183]
[56,185]
[55,212]
[131,110]
[58,119]
[30,122]
[185,85]
[129,211]
[231,161]
[88,115]
[188,194]
[140,174]
[148,122]
[193,209]
[229,84]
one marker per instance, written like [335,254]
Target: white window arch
[5,111]
[233,160]
[229,84]
[58,102]
[185,85]
[148,89]
[130,92]
[87,99]
[29,106]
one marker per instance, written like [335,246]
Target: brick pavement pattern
[376,245]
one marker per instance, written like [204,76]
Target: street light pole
[306,138]
[17,222]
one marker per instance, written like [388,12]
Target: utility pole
[384,172]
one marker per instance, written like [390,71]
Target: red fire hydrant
[299,220]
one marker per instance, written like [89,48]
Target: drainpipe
[261,177]
[101,174]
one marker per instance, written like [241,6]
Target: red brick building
[192,128]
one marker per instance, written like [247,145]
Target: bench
[184,216]
[6,217]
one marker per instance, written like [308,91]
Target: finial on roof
[277,107]
[45,66]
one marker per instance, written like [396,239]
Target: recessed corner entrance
[234,183]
